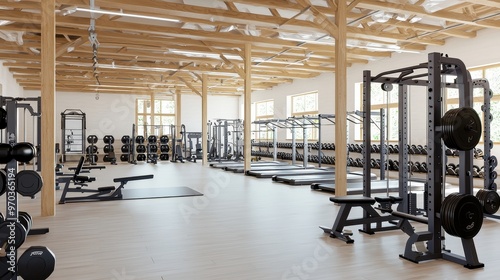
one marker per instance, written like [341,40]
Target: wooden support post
[48,119]
[178,112]
[341,100]
[204,118]
[247,134]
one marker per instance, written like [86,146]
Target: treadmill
[329,177]
[289,172]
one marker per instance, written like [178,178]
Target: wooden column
[178,112]
[204,118]
[48,119]
[247,134]
[341,100]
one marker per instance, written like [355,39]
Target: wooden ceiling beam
[420,11]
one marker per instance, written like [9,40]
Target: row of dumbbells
[392,149]
[299,157]
[478,153]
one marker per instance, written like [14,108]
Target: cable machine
[73,125]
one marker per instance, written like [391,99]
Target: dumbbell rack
[164,148]
[436,66]
[152,149]
[12,205]
[109,149]
[490,161]
[92,149]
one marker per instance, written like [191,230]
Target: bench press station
[370,216]
[99,194]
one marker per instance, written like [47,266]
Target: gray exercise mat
[158,193]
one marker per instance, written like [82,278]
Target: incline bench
[99,194]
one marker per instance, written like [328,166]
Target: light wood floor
[243,228]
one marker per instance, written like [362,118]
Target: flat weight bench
[99,194]
[371,216]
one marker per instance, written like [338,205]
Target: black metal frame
[12,206]
[436,66]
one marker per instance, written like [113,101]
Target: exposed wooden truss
[289,39]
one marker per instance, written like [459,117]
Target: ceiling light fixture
[382,49]
[122,14]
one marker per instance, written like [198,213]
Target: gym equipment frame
[436,67]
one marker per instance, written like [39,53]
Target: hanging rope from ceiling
[94,42]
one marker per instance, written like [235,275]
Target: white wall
[219,107]
[9,86]
[111,114]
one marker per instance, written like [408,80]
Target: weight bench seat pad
[391,199]
[352,199]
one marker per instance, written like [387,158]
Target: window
[492,74]
[263,110]
[380,99]
[305,104]
[154,117]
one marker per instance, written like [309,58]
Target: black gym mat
[129,194]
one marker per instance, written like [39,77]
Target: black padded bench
[371,216]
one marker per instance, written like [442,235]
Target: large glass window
[263,110]
[492,74]
[389,102]
[305,104]
[154,116]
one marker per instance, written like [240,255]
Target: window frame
[152,114]
[313,131]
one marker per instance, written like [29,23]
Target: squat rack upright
[434,70]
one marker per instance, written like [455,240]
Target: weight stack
[152,149]
[164,148]
[125,149]
[92,150]
[140,148]
[109,149]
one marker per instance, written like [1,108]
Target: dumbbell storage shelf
[35,262]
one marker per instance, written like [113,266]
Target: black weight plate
[493,161]
[461,128]
[36,263]
[152,139]
[164,148]
[468,217]
[125,148]
[92,139]
[140,148]
[3,182]
[108,139]
[108,148]
[164,156]
[491,202]
[139,139]
[164,139]
[125,139]
[124,157]
[20,232]
[28,183]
